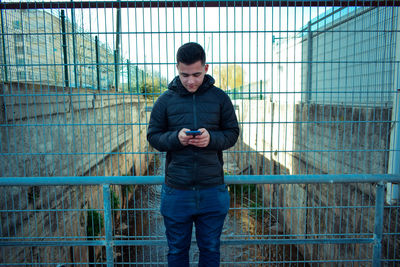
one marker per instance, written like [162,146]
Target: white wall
[287,73]
[353,61]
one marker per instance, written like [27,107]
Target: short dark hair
[190,53]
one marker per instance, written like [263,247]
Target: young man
[194,189]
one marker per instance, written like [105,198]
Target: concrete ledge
[23,101]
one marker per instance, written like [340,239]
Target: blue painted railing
[109,240]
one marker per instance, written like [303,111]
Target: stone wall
[52,131]
[317,139]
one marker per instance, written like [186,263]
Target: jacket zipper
[194,113]
[195,151]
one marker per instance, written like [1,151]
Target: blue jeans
[207,209]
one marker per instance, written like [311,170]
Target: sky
[150,37]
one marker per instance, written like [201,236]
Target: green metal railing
[109,240]
[313,179]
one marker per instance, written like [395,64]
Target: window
[19,50]
[18,38]
[20,61]
[20,74]
[17,25]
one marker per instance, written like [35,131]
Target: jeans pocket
[224,199]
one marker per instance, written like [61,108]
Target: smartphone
[193,133]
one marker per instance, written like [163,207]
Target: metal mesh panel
[315,88]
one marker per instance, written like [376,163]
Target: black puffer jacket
[209,107]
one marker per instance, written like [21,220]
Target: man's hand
[183,138]
[200,140]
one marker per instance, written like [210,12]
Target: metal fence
[128,230]
[313,177]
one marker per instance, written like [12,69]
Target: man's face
[192,75]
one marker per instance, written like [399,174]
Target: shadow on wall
[318,139]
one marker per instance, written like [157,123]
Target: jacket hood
[176,85]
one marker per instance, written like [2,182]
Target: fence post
[137,80]
[64,46]
[4,47]
[129,75]
[74,44]
[116,57]
[393,189]
[96,40]
[378,229]
[108,225]
[117,52]
[309,59]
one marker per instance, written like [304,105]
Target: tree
[228,76]
[152,88]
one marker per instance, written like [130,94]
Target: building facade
[34,46]
[346,57]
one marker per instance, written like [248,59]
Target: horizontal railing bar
[50,238]
[309,235]
[296,262]
[254,242]
[351,178]
[258,208]
[43,33]
[73,210]
[252,263]
[192,3]
[111,64]
[229,179]
[162,263]
[66,93]
[152,238]
[164,242]
[143,124]
[231,152]
[81,180]
[299,241]
[239,242]
[51,243]
[318,236]
[312,178]
[26,263]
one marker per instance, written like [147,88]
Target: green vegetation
[252,197]
[147,82]
[127,189]
[94,224]
[152,88]
[228,76]
[115,203]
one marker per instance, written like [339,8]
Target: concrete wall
[346,59]
[326,138]
[317,139]
[352,57]
[53,131]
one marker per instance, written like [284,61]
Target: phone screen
[193,133]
